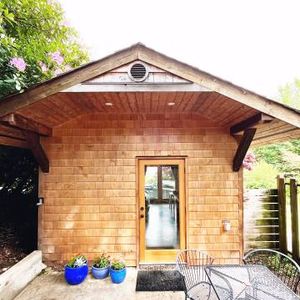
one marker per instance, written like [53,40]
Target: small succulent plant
[102,261]
[118,264]
[77,261]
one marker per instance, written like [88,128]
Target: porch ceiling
[62,107]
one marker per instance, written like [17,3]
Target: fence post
[294,214]
[282,214]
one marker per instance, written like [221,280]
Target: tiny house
[141,155]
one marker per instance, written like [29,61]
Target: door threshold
[157,266]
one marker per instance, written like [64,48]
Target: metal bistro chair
[284,267]
[190,264]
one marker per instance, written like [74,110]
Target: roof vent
[138,72]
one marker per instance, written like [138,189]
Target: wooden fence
[289,216]
[261,219]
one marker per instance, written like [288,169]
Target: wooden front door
[161,209]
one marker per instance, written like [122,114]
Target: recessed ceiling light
[171,103]
[108,104]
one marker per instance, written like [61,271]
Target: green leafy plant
[77,261]
[36,43]
[118,264]
[102,261]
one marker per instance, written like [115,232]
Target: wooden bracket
[243,148]
[20,122]
[250,122]
[38,152]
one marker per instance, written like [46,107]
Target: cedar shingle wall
[90,192]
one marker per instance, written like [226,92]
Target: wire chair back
[190,264]
[280,264]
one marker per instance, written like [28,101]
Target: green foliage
[290,94]
[281,158]
[77,261]
[285,157]
[102,261]
[271,154]
[263,176]
[118,264]
[35,31]
[18,172]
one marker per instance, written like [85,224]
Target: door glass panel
[162,207]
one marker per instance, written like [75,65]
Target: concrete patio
[51,285]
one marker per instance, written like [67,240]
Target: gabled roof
[141,52]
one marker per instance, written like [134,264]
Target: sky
[254,44]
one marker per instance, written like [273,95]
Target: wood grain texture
[282,214]
[90,191]
[19,122]
[63,107]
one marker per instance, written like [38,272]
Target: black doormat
[155,281]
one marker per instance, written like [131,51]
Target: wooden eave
[36,111]
[141,52]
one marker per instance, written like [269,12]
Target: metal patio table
[241,282]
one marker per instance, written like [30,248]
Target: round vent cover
[138,72]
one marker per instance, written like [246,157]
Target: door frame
[162,255]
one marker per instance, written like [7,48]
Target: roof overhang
[84,90]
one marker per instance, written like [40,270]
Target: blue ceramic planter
[100,273]
[76,275]
[117,276]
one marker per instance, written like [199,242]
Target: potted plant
[117,271]
[100,268]
[76,269]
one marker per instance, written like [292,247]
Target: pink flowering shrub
[18,63]
[43,66]
[37,44]
[249,161]
[57,72]
[56,57]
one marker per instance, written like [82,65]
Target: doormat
[155,281]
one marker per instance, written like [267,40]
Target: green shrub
[263,176]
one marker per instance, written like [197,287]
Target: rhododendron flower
[57,57]
[249,161]
[58,72]
[43,66]
[18,63]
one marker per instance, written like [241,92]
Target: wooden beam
[282,213]
[295,218]
[16,133]
[123,87]
[13,142]
[250,122]
[243,148]
[38,152]
[20,122]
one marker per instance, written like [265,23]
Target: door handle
[142,216]
[142,208]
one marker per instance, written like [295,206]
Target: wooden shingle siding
[91,195]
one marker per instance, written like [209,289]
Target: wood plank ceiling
[62,107]
[225,112]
